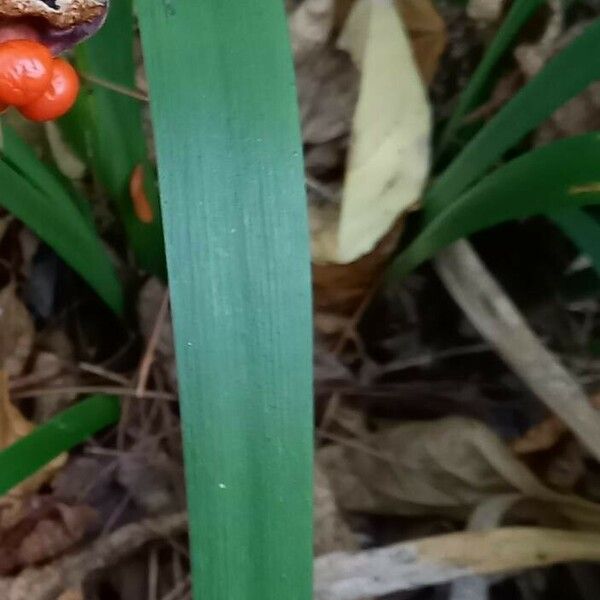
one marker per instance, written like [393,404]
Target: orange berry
[25,71]
[58,98]
[141,204]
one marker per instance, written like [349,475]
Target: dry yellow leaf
[510,549]
[389,155]
[13,425]
[72,594]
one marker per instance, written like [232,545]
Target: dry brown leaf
[150,478]
[72,594]
[427,32]
[16,331]
[14,426]
[332,533]
[310,27]
[447,467]
[340,289]
[327,92]
[42,534]
[327,81]
[50,367]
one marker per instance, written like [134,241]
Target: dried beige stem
[445,558]
[338,576]
[498,320]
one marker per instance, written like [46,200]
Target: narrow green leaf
[106,128]
[473,94]
[562,175]
[63,432]
[583,230]
[232,191]
[562,78]
[19,155]
[61,225]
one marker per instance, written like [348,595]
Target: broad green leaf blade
[562,78]
[563,175]
[62,226]
[63,432]
[106,128]
[583,230]
[519,14]
[232,190]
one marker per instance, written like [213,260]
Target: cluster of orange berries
[40,86]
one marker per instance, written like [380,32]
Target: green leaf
[48,180]
[63,432]
[479,83]
[232,190]
[583,230]
[58,222]
[105,128]
[563,175]
[563,77]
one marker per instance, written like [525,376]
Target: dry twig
[93,389]
[148,358]
[47,583]
[115,87]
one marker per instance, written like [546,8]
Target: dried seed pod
[58,13]
[59,24]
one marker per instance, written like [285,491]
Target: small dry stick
[180,589]
[153,575]
[148,357]
[115,87]
[93,389]
[104,373]
[499,322]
